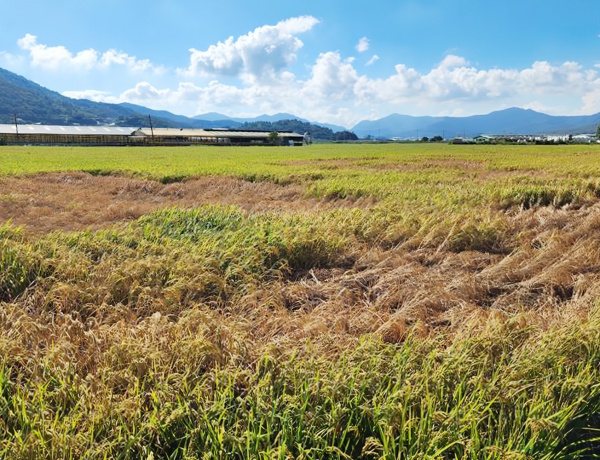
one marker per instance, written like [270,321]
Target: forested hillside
[32,103]
[317,132]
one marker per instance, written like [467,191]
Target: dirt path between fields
[73,201]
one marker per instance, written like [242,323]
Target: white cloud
[144,91]
[60,58]
[373,60]
[11,61]
[113,57]
[262,54]
[335,92]
[57,56]
[454,79]
[251,74]
[91,94]
[332,78]
[363,45]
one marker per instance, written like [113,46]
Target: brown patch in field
[475,169]
[553,272]
[73,201]
[383,163]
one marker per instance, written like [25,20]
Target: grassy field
[402,301]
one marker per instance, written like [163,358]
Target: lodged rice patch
[358,302]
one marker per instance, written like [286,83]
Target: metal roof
[222,133]
[127,131]
[67,130]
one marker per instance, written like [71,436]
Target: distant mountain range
[508,121]
[26,102]
[31,103]
[218,120]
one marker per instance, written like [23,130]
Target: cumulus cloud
[373,60]
[336,92]
[454,79]
[363,45]
[91,94]
[144,91]
[259,55]
[332,77]
[256,67]
[451,85]
[8,60]
[591,100]
[59,57]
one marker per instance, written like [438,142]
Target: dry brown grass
[76,201]
[476,169]
[553,273]
[554,270]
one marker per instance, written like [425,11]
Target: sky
[328,61]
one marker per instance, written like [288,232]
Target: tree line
[316,132]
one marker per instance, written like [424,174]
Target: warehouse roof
[128,131]
[67,130]
[166,132]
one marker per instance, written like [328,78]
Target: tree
[345,136]
[274,138]
[598,132]
[316,132]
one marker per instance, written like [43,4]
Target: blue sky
[328,60]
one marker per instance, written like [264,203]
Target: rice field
[401,301]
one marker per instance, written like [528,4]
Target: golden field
[335,301]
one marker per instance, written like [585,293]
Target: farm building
[216,136]
[112,135]
[43,134]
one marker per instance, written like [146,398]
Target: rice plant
[448,309]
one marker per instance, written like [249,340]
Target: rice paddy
[329,302]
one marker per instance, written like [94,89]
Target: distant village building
[121,136]
[528,139]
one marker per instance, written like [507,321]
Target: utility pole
[17,128]
[151,128]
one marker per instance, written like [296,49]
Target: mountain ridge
[32,103]
[22,100]
[513,120]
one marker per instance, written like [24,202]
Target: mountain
[212,116]
[334,128]
[508,121]
[316,132]
[278,117]
[180,121]
[163,114]
[272,118]
[32,103]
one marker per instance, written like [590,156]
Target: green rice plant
[20,267]
[429,399]
[192,224]
[258,243]
[528,196]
